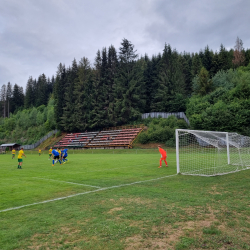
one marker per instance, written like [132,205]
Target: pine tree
[59,91]
[204,84]
[128,85]
[207,59]
[18,98]
[223,59]
[112,73]
[150,76]
[196,65]
[3,99]
[185,64]
[42,91]
[171,91]
[100,101]
[215,64]
[68,117]
[9,94]
[83,92]
[29,95]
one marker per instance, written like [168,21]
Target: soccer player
[64,155]
[59,151]
[163,156]
[39,151]
[13,153]
[56,156]
[20,158]
[50,152]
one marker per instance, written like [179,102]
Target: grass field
[119,199]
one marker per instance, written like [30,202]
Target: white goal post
[210,153]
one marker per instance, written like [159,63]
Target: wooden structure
[11,146]
[116,137]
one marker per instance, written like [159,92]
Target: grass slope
[119,200]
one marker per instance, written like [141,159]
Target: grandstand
[76,140]
[119,137]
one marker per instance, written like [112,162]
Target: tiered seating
[76,139]
[118,137]
[126,137]
[104,138]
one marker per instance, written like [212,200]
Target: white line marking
[110,169]
[88,192]
[66,182]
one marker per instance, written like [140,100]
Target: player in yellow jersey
[20,158]
[60,153]
[13,153]
[50,153]
[39,151]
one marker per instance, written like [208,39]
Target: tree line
[27,126]
[121,85]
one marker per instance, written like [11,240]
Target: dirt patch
[214,190]
[166,237]
[137,200]
[137,242]
[111,211]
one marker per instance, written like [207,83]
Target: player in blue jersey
[64,155]
[56,156]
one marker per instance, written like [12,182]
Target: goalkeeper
[163,156]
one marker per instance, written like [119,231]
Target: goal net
[210,153]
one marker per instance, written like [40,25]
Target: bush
[58,133]
[170,143]
[143,138]
[162,130]
[162,134]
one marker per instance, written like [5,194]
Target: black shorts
[56,157]
[64,157]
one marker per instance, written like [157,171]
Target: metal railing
[32,146]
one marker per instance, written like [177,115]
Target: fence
[32,146]
[179,115]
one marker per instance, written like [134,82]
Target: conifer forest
[211,87]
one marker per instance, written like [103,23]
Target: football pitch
[119,199]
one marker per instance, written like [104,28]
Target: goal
[210,153]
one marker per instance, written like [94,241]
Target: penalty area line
[88,192]
[66,182]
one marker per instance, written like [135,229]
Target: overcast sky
[36,35]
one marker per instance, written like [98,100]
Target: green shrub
[143,138]
[170,143]
[58,133]
[162,130]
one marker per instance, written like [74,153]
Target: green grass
[117,199]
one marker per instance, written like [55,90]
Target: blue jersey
[65,152]
[54,152]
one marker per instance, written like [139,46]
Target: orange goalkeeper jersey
[163,152]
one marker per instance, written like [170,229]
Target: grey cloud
[35,36]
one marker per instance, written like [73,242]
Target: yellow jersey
[59,151]
[50,151]
[13,151]
[20,154]
[40,151]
